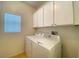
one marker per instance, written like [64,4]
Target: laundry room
[39,29]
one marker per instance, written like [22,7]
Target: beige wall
[69,36]
[13,43]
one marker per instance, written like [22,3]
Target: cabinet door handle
[54,25]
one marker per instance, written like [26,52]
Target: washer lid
[48,43]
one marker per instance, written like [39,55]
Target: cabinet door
[40,17]
[63,13]
[70,48]
[48,14]
[28,47]
[76,12]
[35,19]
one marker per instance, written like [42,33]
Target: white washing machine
[41,47]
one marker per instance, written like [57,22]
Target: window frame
[4,23]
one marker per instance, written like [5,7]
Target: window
[12,23]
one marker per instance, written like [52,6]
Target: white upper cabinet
[57,13]
[44,16]
[35,19]
[76,12]
[48,14]
[40,17]
[63,13]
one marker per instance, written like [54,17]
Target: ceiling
[34,4]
